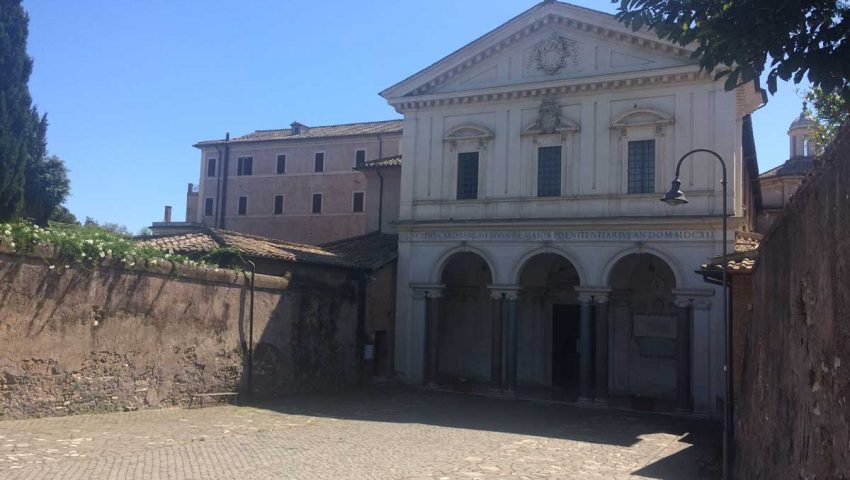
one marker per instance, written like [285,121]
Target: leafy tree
[802,38]
[46,187]
[61,214]
[108,226]
[830,112]
[16,127]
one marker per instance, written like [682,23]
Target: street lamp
[675,197]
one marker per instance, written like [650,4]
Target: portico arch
[649,330]
[670,261]
[463,336]
[572,259]
[446,256]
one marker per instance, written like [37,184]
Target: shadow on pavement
[551,420]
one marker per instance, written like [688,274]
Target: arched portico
[650,330]
[459,330]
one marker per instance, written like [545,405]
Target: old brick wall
[793,421]
[79,341]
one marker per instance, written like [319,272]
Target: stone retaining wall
[793,420]
[112,339]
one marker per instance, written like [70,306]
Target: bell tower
[800,136]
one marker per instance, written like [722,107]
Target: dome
[803,121]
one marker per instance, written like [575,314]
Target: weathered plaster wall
[79,341]
[792,421]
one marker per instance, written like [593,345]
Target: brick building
[298,184]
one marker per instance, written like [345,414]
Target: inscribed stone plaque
[654,326]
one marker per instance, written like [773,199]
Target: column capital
[696,297]
[510,292]
[427,290]
[597,294]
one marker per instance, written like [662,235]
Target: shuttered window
[243,206]
[281,164]
[317,203]
[278,204]
[245,166]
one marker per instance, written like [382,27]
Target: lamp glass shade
[674,196]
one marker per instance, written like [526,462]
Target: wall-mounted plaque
[654,326]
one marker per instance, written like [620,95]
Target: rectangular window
[357,201]
[319,162]
[642,166]
[211,167]
[467,176]
[281,164]
[209,206]
[243,206]
[549,171]
[317,203]
[360,158]
[278,204]
[245,166]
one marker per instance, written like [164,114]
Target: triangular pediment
[551,41]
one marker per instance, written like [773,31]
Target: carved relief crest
[549,116]
[553,54]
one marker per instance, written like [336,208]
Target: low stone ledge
[209,274]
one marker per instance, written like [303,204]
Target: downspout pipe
[201,202]
[223,209]
[380,201]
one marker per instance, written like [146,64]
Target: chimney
[168,214]
[298,128]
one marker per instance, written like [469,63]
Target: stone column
[585,360]
[416,344]
[433,309]
[683,356]
[497,320]
[511,354]
[701,379]
[602,329]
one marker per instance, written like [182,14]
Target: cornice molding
[552,88]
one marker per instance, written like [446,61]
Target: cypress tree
[16,114]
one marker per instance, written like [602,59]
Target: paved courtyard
[375,433]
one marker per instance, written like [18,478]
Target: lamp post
[676,197]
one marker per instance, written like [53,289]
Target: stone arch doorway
[461,340]
[648,331]
[548,327]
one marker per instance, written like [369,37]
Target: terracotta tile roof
[326,131]
[795,167]
[371,251]
[741,261]
[249,245]
[386,162]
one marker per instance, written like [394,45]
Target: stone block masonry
[112,339]
[793,420]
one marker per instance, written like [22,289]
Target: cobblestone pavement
[383,433]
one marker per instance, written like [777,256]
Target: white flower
[8,232]
[67,267]
[102,254]
[52,267]
[153,262]
[109,251]
[90,241]
[12,244]
[95,323]
[83,254]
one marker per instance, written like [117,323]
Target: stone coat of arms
[554,54]
[549,118]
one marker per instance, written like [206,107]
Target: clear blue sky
[130,86]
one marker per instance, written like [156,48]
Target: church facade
[534,253]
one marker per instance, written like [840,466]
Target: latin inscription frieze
[568,236]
